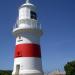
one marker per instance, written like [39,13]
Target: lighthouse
[27,31]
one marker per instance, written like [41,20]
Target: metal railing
[27,24]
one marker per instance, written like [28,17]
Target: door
[17,69]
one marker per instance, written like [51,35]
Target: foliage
[4,72]
[70,68]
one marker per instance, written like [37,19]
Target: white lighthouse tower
[27,58]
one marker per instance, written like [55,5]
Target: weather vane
[27,1]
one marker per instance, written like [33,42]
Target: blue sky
[58,23]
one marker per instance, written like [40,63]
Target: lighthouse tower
[27,58]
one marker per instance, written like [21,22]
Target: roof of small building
[57,72]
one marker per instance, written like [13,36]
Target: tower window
[33,15]
[19,54]
[19,37]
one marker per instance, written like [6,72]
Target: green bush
[3,72]
[70,68]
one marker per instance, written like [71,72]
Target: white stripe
[27,38]
[28,64]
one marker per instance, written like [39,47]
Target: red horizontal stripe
[27,50]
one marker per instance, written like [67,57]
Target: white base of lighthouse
[27,66]
[28,72]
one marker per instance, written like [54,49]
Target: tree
[70,68]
